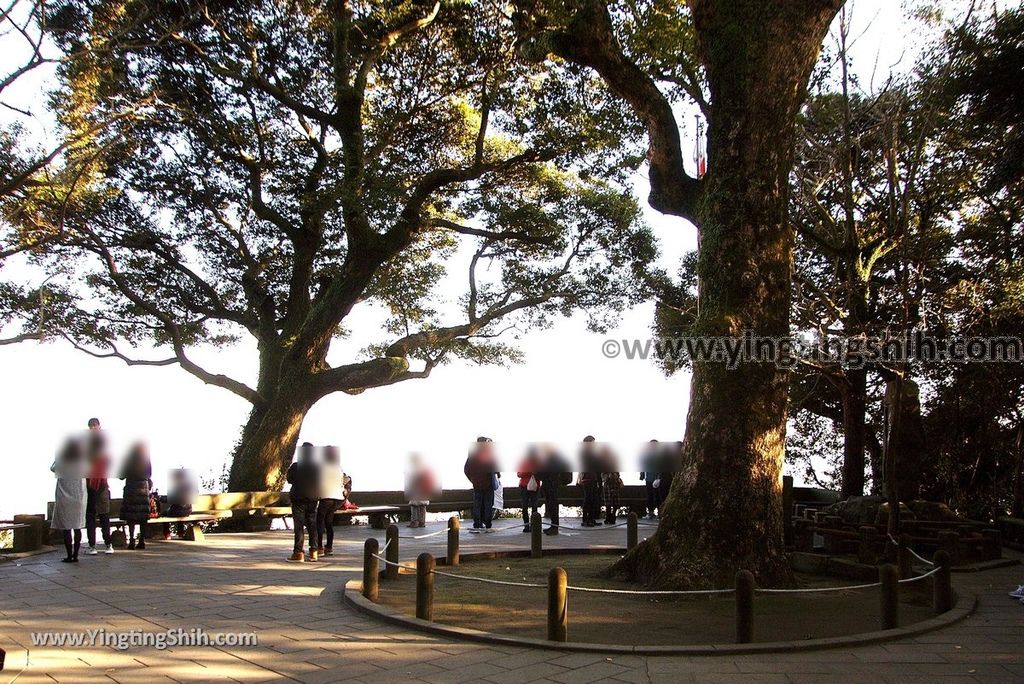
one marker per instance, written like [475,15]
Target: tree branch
[589,40]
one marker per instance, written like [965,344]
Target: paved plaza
[240,583]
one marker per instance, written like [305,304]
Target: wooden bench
[191,522]
[377,516]
[19,529]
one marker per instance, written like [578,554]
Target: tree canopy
[289,163]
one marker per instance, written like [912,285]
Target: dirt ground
[638,620]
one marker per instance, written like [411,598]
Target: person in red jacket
[97,490]
[529,484]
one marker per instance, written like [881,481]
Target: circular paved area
[240,583]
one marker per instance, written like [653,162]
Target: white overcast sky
[565,388]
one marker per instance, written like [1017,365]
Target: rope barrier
[422,536]
[653,592]
[816,590]
[911,550]
[397,565]
[598,528]
[920,577]
[641,592]
[490,581]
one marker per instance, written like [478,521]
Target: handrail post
[536,535]
[889,576]
[371,570]
[558,612]
[903,556]
[391,553]
[942,584]
[454,527]
[425,586]
[744,607]
[631,530]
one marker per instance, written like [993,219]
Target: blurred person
[529,485]
[480,470]
[97,489]
[180,499]
[589,481]
[649,464]
[554,473]
[420,486]
[69,501]
[611,482]
[137,473]
[304,477]
[672,459]
[332,494]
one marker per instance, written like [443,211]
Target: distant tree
[976,420]
[300,162]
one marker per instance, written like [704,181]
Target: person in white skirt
[70,467]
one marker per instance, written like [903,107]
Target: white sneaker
[109,549]
[91,551]
[1018,593]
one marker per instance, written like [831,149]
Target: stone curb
[353,596]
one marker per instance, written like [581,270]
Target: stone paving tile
[589,673]
[465,673]
[530,673]
[239,583]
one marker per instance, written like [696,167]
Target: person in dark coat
[480,470]
[671,462]
[650,463]
[180,498]
[554,474]
[304,477]
[137,473]
[590,481]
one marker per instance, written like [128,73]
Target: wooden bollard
[949,541]
[744,607]
[904,557]
[425,586]
[371,571]
[992,544]
[889,576]
[558,613]
[866,542]
[454,527]
[632,534]
[391,553]
[536,535]
[942,583]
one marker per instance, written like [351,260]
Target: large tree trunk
[724,510]
[854,431]
[269,438]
